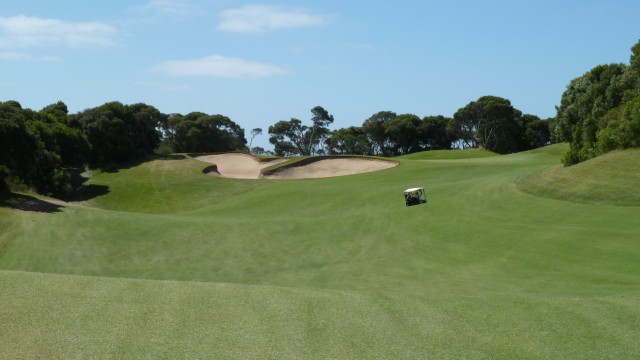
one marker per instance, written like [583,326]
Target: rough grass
[612,178]
[322,268]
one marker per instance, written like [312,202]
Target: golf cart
[414,196]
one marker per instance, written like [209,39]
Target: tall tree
[351,140]
[36,148]
[491,123]
[375,129]
[254,132]
[402,132]
[589,104]
[199,132]
[294,138]
[319,129]
[288,137]
[434,133]
[120,132]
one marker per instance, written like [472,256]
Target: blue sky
[258,62]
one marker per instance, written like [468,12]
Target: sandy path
[243,166]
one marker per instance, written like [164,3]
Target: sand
[243,166]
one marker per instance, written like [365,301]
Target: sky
[259,62]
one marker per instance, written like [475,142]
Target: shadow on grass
[81,191]
[27,203]
[88,192]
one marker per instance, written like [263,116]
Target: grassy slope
[612,178]
[325,268]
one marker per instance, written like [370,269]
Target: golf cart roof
[414,189]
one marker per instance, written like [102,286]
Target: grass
[597,181]
[449,154]
[171,263]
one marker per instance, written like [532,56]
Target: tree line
[42,149]
[490,123]
[600,110]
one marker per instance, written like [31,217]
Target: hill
[612,179]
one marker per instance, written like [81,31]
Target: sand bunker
[243,166]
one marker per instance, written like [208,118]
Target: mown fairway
[171,263]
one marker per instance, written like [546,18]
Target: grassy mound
[163,186]
[611,179]
[167,262]
[449,154]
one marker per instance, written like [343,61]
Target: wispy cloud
[18,56]
[172,8]
[218,66]
[259,18]
[25,31]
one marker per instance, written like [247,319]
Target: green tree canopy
[294,138]
[491,123]
[200,132]
[37,148]
[120,132]
[434,133]
[375,129]
[596,110]
[352,140]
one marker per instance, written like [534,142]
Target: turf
[173,263]
[612,178]
[449,154]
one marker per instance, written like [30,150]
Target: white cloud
[174,8]
[25,31]
[218,66]
[18,56]
[259,18]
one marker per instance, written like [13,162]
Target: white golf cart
[414,196]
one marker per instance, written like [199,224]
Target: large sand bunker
[243,166]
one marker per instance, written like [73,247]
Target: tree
[319,130]
[200,132]
[36,148]
[120,132]
[351,140]
[490,123]
[434,134]
[288,137]
[592,103]
[255,132]
[375,129]
[261,151]
[536,132]
[402,134]
[293,138]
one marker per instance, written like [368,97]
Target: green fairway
[504,261]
